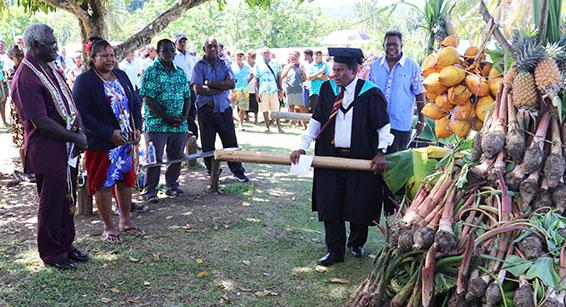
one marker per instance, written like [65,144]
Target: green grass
[252,237]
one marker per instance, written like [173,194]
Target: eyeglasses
[52,45]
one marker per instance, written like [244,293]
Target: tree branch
[144,36]
[70,6]
[543,20]
[497,33]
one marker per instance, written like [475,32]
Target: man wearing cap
[186,61]
[349,121]
[240,95]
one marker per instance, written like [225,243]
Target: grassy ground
[254,244]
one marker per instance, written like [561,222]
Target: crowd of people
[62,108]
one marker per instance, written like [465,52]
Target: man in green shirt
[166,98]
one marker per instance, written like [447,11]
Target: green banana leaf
[408,168]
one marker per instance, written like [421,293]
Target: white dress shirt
[133,72]
[343,126]
[186,61]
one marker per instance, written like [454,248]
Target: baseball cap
[179,37]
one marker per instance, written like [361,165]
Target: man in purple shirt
[53,140]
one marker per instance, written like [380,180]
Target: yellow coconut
[495,73]
[460,128]
[477,124]
[433,69]
[458,94]
[447,56]
[430,96]
[464,111]
[432,84]
[433,111]
[450,41]
[482,106]
[451,75]
[443,103]
[428,62]
[477,85]
[494,85]
[442,128]
[471,52]
[485,68]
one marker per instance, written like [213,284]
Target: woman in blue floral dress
[111,114]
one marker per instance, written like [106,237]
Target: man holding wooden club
[349,121]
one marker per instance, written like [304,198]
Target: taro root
[394,235]
[476,288]
[528,191]
[523,296]
[494,138]
[552,302]
[405,242]
[559,197]
[479,172]
[515,178]
[476,147]
[531,247]
[555,164]
[423,238]
[535,153]
[544,198]
[493,295]
[515,141]
[445,238]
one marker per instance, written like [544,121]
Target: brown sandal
[112,238]
[134,231]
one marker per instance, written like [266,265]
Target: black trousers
[335,236]
[400,143]
[222,123]
[193,128]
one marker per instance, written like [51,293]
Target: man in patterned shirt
[268,86]
[166,98]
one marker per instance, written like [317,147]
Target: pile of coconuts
[469,236]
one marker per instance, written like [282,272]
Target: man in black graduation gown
[349,121]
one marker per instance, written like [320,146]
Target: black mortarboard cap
[347,55]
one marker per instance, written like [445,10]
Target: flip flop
[112,238]
[133,231]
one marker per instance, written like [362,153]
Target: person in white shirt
[130,66]
[149,58]
[186,61]
[349,121]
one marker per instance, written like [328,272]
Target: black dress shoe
[77,255]
[357,251]
[63,264]
[329,259]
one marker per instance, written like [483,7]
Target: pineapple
[527,54]
[548,79]
[547,73]
[508,80]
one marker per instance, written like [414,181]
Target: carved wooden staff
[232,155]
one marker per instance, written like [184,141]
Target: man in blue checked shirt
[400,80]
[212,80]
